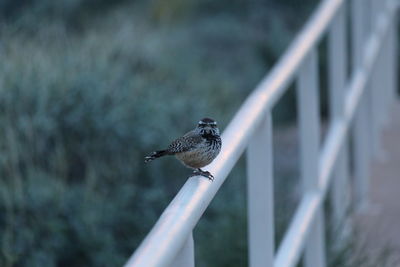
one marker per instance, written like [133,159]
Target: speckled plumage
[196,148]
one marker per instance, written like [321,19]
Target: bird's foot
[204,174]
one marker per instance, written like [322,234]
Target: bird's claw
[204,174]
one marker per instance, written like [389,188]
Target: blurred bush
[87,88]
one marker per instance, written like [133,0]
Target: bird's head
[208,126]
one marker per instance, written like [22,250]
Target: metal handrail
[171,236]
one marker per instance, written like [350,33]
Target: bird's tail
[154,155]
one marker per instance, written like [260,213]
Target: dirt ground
[379,223]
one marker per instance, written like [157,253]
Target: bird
[195,149]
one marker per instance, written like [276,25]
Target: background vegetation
[88,87]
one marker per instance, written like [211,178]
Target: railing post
[360,130]
[185,257]
[383,72]
[394,64]
[308,109]
[376,88]
[392,58]
[369,16]
[337,48]
[357,32]
[260,196]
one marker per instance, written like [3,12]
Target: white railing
[358,104]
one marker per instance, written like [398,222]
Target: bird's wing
[185,143]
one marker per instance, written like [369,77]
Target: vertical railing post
[379,78]
[308,110]
[394,64]
[367,17]
[392,57]
[185,257]
[357,32]
[376,85]
[376,6]
[374,92]
[260,196]
[337,48]
[360,130]
[369,25]
[385,70]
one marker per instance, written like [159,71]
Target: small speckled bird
[196,148]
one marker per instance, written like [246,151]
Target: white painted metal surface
[170,242]
[185,256]
[260,196]
[337,68]
[361,130]
[309,120]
